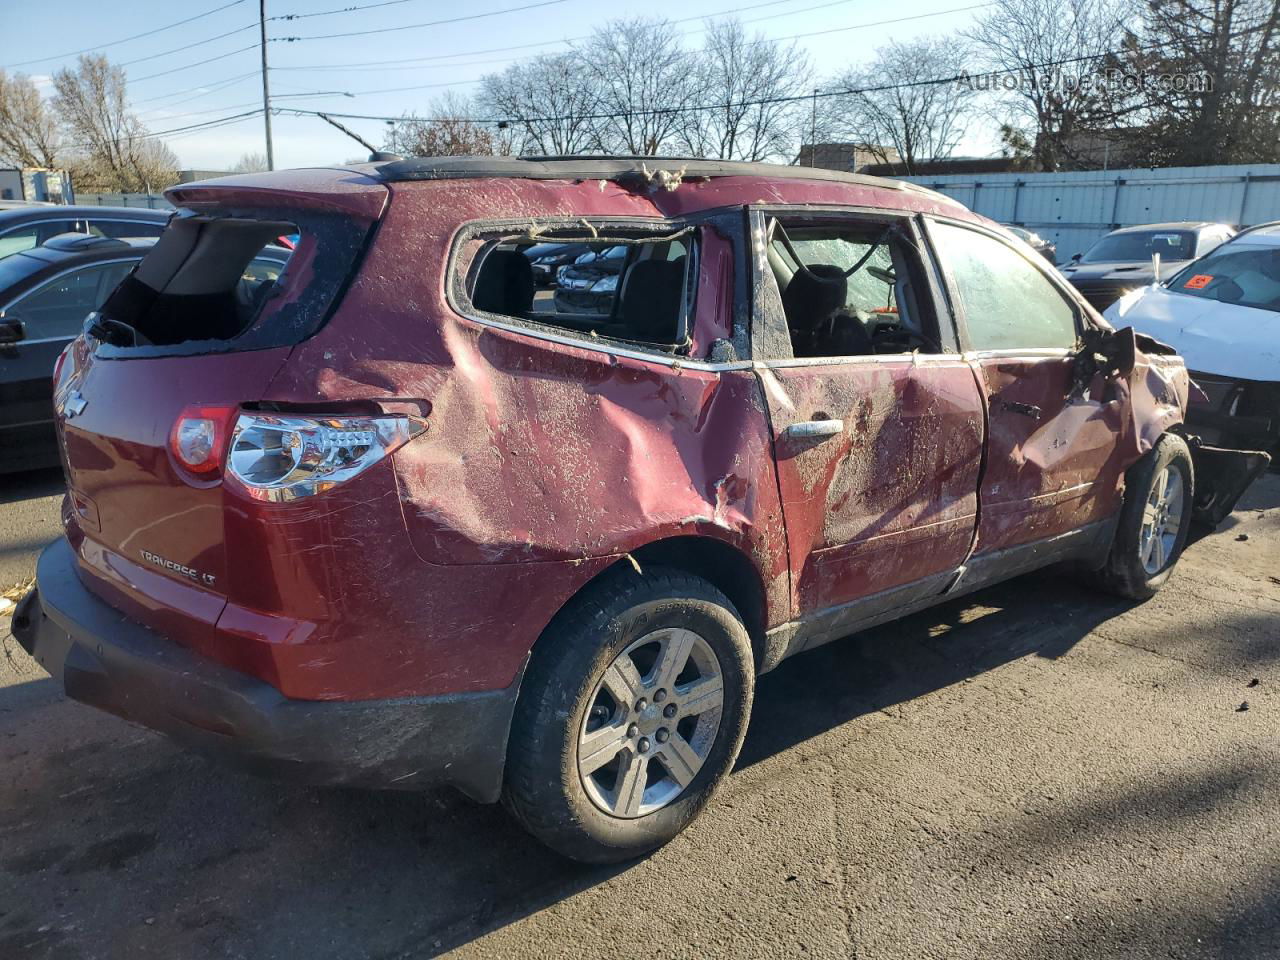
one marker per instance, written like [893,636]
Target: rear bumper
[107,661]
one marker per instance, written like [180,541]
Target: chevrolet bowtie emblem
[74,405]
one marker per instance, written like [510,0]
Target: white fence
[1075,209]
[152,201]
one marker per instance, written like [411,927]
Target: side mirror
[12,329]
[1075,257]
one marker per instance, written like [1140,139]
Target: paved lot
[1034,772]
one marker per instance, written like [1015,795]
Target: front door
[879,450]
[1053,466]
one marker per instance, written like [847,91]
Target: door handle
[811,429]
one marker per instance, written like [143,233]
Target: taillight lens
[199,438]
[280,457]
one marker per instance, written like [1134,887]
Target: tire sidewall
[584,829]
[1171,450]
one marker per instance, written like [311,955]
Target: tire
[567,713]
[1137,567]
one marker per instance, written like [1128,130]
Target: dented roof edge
[641,169]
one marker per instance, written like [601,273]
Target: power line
[329,13]
[763,101]
[211,87]
[398,64]
[188,66]
[416,26]
[188,46]
[191,127]
[136,36]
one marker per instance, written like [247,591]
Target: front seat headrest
[504,284]
[651,300]
[814,295]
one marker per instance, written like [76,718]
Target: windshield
[1246,275]
[1123,247]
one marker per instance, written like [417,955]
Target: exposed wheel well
[725,567]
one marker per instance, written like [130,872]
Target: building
[35,184]
[847,157]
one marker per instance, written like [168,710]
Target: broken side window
[850,289]
[628,288]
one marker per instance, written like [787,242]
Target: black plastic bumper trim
[110,662]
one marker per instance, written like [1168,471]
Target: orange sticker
[1199,281]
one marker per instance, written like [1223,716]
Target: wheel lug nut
[641,703]
[633,731]
[660,696]
[662,735]
[669,710]
[643,745]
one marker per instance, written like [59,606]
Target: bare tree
[1046,53]
[548,104]
[644,79]
[28,128]
[1221,101]
[899,112]
[747,83]
[250,163]
[448,130]
[112,150]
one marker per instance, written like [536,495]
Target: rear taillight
[279,457]
[199,439]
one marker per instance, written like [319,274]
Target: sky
[190,74]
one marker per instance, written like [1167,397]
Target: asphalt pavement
[1035,771]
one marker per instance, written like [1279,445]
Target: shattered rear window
[237,282]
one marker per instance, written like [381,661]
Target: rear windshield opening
[634,289]
[231,282]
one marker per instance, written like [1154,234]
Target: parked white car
[1222,313]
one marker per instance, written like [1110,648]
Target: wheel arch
[722,564]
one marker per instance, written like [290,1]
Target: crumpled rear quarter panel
[539,457]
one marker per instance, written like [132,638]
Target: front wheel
[1154,521]
[631,713]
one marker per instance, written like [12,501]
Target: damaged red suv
[395,520]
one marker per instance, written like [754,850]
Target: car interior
[849,289]
[648,300]
[202,281]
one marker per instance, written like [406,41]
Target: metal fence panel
[1074,209]
[152,201]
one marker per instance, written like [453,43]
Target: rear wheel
[1154,521]
[631,714]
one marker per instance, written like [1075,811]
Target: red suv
[396,519]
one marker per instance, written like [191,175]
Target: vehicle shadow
[1042,614]
[143,829]
[125,839]
[16,487]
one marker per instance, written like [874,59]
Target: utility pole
[813,128]
[266,89]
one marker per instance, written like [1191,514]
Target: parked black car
[547,258]
[1122,260]
[588,285]
[27,225]
[1046,248]
[45,295]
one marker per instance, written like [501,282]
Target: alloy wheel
[651,723]
[1161,521]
